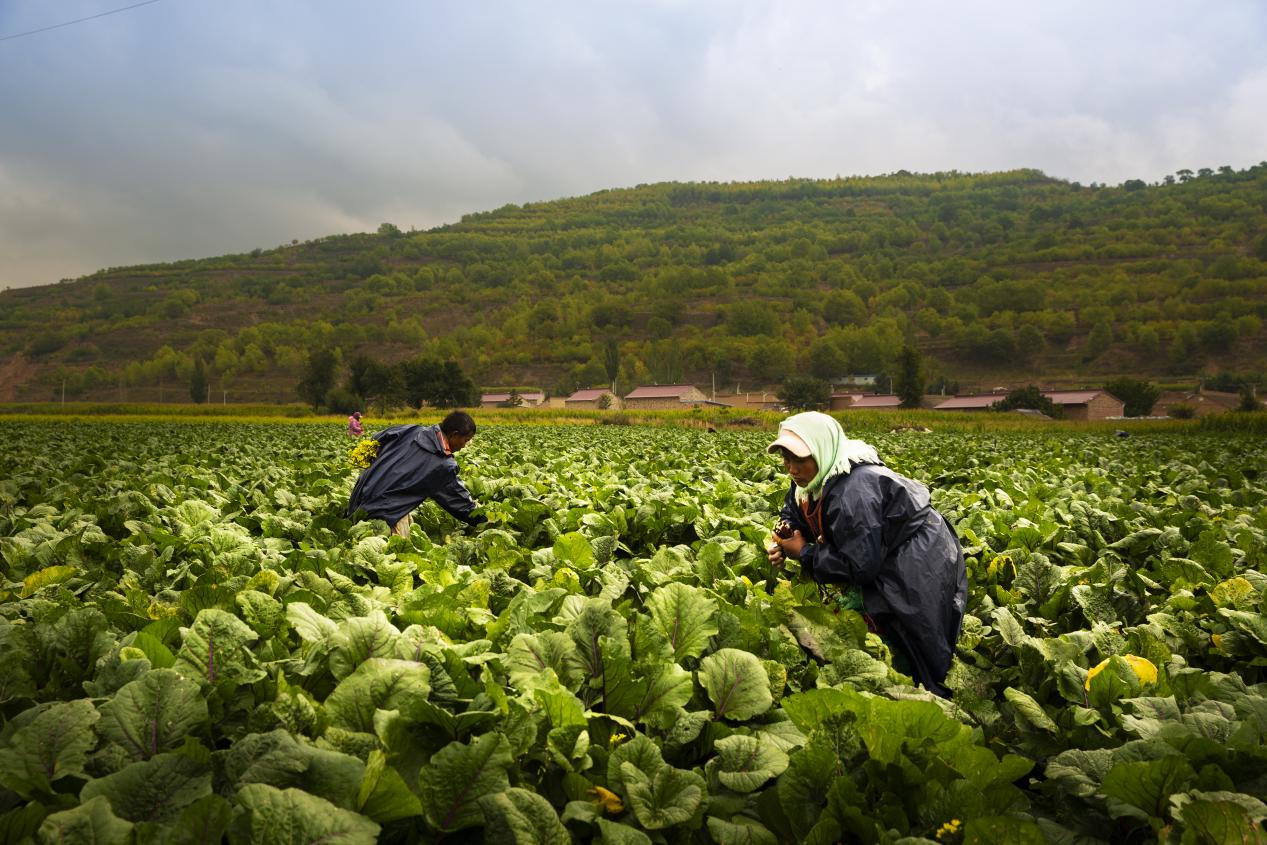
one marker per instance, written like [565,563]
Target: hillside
[997,278]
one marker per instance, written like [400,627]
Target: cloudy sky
[191,128]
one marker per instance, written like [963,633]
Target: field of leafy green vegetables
[195,645]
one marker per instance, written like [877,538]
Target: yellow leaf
[608,800]
[1143,669]
[46,577]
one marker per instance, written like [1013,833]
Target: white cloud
[199,129]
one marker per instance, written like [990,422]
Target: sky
[194,128]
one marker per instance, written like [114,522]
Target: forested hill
[997,278]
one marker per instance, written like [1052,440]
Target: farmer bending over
[874,544]
[415,463]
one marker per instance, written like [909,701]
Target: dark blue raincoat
[881,534]
[411,467]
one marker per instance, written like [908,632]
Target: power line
[77,20]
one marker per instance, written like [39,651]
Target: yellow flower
[1217,639]
[1143,669]
[617,739]
[608,800]
[949,829]
[363,453]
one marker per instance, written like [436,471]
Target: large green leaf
[154,713]
[654,695]
[614,833]
[201,823]
[809,710]
[216,650]
[803,786]
[684,616]
[278,759]
[22,824]
[531,659]
[988,830]
[378,684]
[669,797]
[737,684]
[574,549]
[1222,823]
[458,776]
[740,830]
[359,639]
[640,752]
[153,790]
[383,795]
[1142,789]
[311,626]
[745,763]
[522,817]
[595,622]
[1030,710]
[53,745]
[90,822]
[274,816]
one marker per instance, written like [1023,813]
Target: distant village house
[1077,404]
[592,398]
[864,401]
[665,397]
[529,399]
[1203,403]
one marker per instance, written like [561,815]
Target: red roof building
[862,401]
[530,399]
[1077,404]
[592,397]
[1202,402]
[665,396]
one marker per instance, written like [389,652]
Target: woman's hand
[778,550]
[792,545]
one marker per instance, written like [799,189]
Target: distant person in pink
[355,429]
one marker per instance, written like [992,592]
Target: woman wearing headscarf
[870,538]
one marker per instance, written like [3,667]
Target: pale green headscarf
[832,450]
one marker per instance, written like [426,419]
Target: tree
[513,399]
[422,377]
[198,382]
[826,360]
[384,385]
[844,308]
[611,360]
[360,375]
[1030,342]
[1099,340]
[748,318]
[1249,402]
[454,388]
[1029,397]
[318,376]
[805,393]
[1137,396]
[909,384]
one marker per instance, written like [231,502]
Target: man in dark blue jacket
[415,463]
